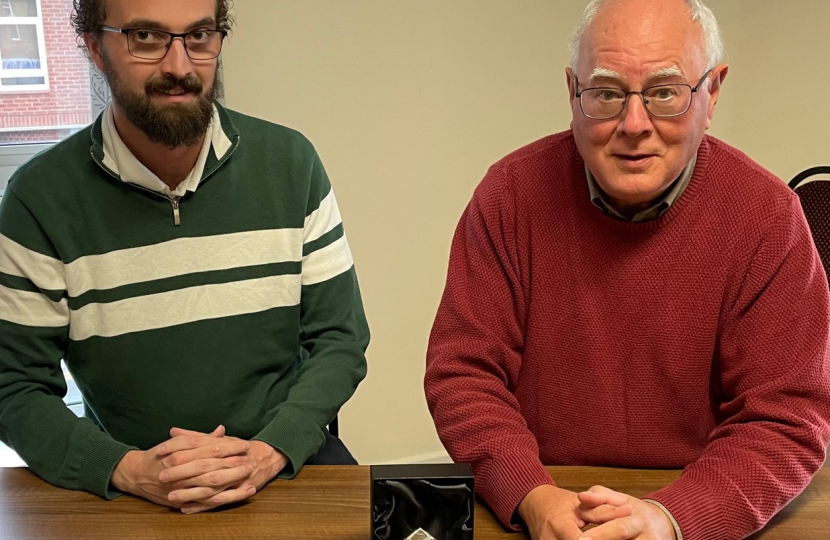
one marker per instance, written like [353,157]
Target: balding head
[697,11]
[630,46]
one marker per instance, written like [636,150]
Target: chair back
[813,189]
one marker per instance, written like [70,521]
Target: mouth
[633,157]
[634,160]
[172,92]
[176,94]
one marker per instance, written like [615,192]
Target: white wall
[779,83]
[408,103]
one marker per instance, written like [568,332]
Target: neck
[171,165]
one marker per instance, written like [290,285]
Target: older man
[634,293]
[189,264]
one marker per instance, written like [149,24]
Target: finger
[201,467]
[183,496]
[216,479]
[627,528]
[188,442]
[218,432]
[226,497]
[217,450]
[599,495]
[183,442]
[603,513]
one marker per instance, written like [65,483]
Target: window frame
[42,71]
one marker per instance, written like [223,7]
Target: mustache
[190,83]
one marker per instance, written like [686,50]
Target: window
[40,104]
[22,47]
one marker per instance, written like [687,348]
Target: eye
[607,94]
[199,35]
[202,36]
[664,93]
[146,36]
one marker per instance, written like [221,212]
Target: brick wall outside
[67,101]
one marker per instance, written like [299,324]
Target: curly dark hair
[88,16]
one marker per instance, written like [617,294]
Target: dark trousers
[333,452]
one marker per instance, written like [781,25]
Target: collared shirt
[656,210]
[119,159]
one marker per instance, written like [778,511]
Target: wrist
[122,475]
[269,458]
[672,526]
[538,497]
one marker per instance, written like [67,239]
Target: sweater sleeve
[65,450]
[334,333]
[773,371]
[475,354]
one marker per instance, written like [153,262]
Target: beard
[173,125]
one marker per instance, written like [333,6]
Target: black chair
[813,189]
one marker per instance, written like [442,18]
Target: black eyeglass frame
[126,32]
[642,95]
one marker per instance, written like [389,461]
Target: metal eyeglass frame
[694,89]
[126,32]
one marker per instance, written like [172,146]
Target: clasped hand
[552,513]
[196,471]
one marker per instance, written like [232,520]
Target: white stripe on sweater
[32,309]
[183,306]
[182,256]
[45,272]
[327,262]
[322,220]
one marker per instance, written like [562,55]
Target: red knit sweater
[697,340]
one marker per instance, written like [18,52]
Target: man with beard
[189,264]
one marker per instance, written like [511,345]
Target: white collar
[119,159]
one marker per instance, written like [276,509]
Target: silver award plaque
[420,534]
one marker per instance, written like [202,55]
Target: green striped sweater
[247,314]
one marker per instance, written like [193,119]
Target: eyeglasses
[663,100]
[150,44]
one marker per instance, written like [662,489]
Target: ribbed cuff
[98,464]
[693,507]
[505,483]
[297,439]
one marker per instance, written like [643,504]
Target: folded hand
[204,474]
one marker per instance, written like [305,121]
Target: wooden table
[322,503]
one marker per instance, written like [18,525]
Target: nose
[635,120]
[176,62]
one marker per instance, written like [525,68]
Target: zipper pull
[177,219]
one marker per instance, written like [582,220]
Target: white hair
[601,72]
[701,14]
[671,71]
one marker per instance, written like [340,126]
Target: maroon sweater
[697,340]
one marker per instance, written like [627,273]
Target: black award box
[422,502]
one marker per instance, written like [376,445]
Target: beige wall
[409,102]
[778,49]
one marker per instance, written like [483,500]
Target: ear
[718,76]
[93,45]
[569,78]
